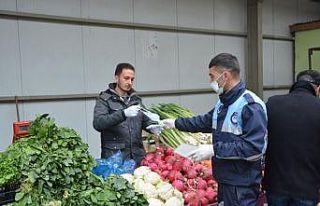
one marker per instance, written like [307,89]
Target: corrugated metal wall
[42,58]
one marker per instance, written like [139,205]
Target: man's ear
[116,79]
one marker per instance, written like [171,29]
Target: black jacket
[117,131]
[293,152]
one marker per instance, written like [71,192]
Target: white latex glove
[168,123]
[132,111]
[155,129]
[203,152]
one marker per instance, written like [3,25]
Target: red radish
[169,159]
[211,183]
[179,176]
[194,203]
[169,151]
[168,166]
[189,196]
[165,173]
[207,174]
[201,193]
[144,163]
[153,166]
[178,184]
[211,194]
[177,165]
[172,175]
[198,167]
[204,201]
[191,174]
[201,184]
[149,157]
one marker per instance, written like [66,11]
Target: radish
[211,194]
[198,167]
[191,173]
[179,185]
[190,196]
[168,166]
[204,201]
[153,166]
[172,175]
[165,173]
[201,193]
[211,183]
[168,152]
[177,165]
[169,159]
[149,157]
[207,174]
[201,184]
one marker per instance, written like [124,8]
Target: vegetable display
[194,180]
[174,137]
[55,169]
[157,192]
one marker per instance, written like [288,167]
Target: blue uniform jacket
[238,123]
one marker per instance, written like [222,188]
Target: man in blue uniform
[238,123]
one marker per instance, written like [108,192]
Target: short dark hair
[123,66]
[309,75]
[227,61]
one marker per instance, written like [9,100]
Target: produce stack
[53,168]
[157,191]
[173,137]
[194,180]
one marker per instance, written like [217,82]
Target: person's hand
[168,123]
[155,129]
[132,111]
[203,152]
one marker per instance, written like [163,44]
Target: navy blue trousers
[237,195]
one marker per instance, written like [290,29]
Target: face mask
[215,86]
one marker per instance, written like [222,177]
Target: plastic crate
[8,193]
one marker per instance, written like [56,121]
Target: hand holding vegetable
[132,111]
[168,123]
[155,129]
[204,152]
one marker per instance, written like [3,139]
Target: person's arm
[201,123]
[252,144]
[102,119]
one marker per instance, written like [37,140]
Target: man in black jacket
[292,173]
[118,116]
